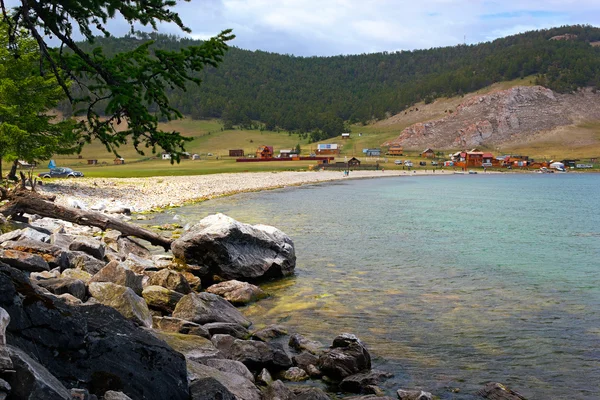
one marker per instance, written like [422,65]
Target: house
[25,164]
[373,152]
[488,160]
[195,156]
[395,150]
[166,156]
[428,153]
[185,155]
[285,153]
[119,161]
[264,152]
[236,153]
[354,162]
[92,162]
[327,148]
[345,135]
[570,163]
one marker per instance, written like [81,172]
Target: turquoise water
[451,281]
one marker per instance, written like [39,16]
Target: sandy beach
[143,194]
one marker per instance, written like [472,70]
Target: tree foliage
[130,85]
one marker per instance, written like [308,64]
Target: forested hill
[319,94]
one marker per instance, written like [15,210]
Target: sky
[333,27]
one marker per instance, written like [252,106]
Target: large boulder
[90,346]
[234,250]
[362,382]
[127,246]
[348,356]
[171,280]
[120,274]
[269,333]
[161,298]
[300,343]
[194,348]
[257,355]
[58,286]
[176,325]
[229,366]
[237,292]
[94,248]
[203,308]
[122,299]
[55,256]
[26,233]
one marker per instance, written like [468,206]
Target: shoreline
[154,193]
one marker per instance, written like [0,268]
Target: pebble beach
[145,194]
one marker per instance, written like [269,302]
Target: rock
[204,308]
[112,395]
[176,325]
[70,299]
[4,386]
[222,342]
[370,397]
[300,343]
[161,298]
[60,286]
[138,264]
[278,391]
[237,292]
[171,280]
[203,378]
[413,395]
[85,262]
[5,361]
[194,282]
[257,355]
[119,274]
[110,239]
[127,246]
[32,381]
[76,274]
[52,274]
[227,328]
[264,378]
[229,366]
[124,300]
[309,393]
[313,371]
[27,233]
[347,357]
[359,383]
[269,333]
[93,247]
[53,255]
[61,240]
[234,250]
[295,374]
[104,350]
[497,391]
[24,261]
[195,348]
[304,359]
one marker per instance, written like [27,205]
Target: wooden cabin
[327,148]
[119,161]
[236,153]
[264,152]
[428,153]
[92,162]
[353,162]
[396,150]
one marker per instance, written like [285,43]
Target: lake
[450,281]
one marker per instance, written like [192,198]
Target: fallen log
[26,201]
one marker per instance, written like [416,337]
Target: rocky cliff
[502,117]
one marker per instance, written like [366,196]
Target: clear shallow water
[451,281]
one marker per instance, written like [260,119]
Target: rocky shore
[143,194]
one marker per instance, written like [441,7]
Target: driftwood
[26,201]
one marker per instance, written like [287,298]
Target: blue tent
[51,164]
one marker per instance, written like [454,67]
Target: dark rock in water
[264,378]
[237,292]
[309,393]
[497,391]
[234,250]
[227,328]
[24,261]
[60,286]
[413,395]
[300,343]
[90,346]
[122,299]
[127,246]
[204,308]
[230,366]
[359,383]
[119,274]
[257,355]
[269,333]
[171,280]
[304,359]
[348,357]
[161,298]
[295,374]
[176,325]
[53,255]
[32,381]
[112,395]
[94,248]
[211,383]
[278,391]
[194,348]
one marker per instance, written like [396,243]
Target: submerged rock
[363,382]
[497,391]
[234,250]
[347,357]
[237,292]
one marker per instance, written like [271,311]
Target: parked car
[434,163]
[398,162]
[61,173]
[408,163]
[422,163]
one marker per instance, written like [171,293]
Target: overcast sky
[332,27]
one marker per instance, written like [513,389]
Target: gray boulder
[94,248]
[176,325]
[171,280]
[269,333]
[223,342]
[304,359]
[295,374]
[204,308]
[26,233]
[58,286]
[194,348]
[122,299]
[24,261]
[497,391]
[237,292]
[120,274]
[229,366]
[32,381]
[278,391]
[421,395]
[300,343]
[227,328]
[309,393]
[113,395]
[258,355]
[61,239]
[84,261]
[5,361]
[234,250]
[361,382]
[138,264]
[161,298]
[127,246]
[264,378]
[348,356]
[53,255]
